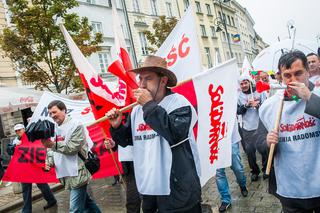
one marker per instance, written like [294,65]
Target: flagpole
[276,128]
[115,162]
[130,106]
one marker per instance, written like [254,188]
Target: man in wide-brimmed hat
[165,157]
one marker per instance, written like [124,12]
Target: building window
[208,9]
[104,59]
[154,7]
[198,7]
[229,20]
[228,37]
[124,32]
[224,17]
[136,7]
[220,15]
[213,31]
[232,22]
[169,9]
[186,4]
[218,56]
[91,1]
[96,27]
[203,30]
[224,36]
[208,54]
[143,42]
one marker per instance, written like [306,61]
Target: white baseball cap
[18,127]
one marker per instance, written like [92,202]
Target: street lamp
[290,26]
[221,22]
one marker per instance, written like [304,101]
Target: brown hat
[158,65]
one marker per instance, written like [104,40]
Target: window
[198,7]
[208,9]
[169,9]
[228,37]
[96,27]
[224,17]
[220,15]
[119,4]
[104,59]
[124,32]
[208,55]
[232,22]
[136,7]
[154,7]
[224,36]
[203,30]
[91,1]
[143,42]
[213,31]
[218,56]
[229,20]
[186,4]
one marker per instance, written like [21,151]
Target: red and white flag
[29,157]
[216,94]
[181,48]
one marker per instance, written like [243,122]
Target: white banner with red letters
[216,92]
[181,48]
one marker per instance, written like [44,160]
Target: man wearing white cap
[249,102]
[27,187]
[164,150]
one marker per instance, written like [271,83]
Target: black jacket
[174,127]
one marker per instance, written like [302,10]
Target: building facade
[99,14]
[8,75]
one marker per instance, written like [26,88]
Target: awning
[17,98]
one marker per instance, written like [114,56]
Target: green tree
[36,45]
[162,27]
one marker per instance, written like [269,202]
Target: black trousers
[27,197]
[133,201]
[299,206]
[250,141]
[153,204]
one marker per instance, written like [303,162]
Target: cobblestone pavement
[112,198]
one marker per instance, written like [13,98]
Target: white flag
[246,67]
[181,48]
[216,92]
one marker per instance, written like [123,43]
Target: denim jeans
[27,197]
[81,202]
[237,168]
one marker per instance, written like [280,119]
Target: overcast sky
[271,17]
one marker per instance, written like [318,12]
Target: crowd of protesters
[163,172]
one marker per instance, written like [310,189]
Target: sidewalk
[10,201]
[112,198]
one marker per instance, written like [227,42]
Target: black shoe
[224,206]
[265,176]
[244,191]
[254,177]
[49,205]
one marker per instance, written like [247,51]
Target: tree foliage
[36,45]
[162,27]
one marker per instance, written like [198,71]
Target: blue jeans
[27,197]
[81,202]
[237,168]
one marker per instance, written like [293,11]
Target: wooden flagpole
[276,128]
[126,108]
